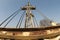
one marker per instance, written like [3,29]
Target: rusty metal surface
[35,33]
[29,29]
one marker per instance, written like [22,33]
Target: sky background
[50,8]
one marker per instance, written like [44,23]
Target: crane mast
[29,16]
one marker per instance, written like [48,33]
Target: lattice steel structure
[29,31]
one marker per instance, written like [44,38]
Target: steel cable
[12,18]
[9,17]
[36,21]
[19,20]
[45,17]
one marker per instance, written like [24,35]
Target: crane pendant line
[45,17]
[9,17]
[21,19]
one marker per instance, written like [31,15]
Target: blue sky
[50,8]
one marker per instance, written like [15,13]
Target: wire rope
[36,21]
[45,17]
[9,17]
[19,21]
